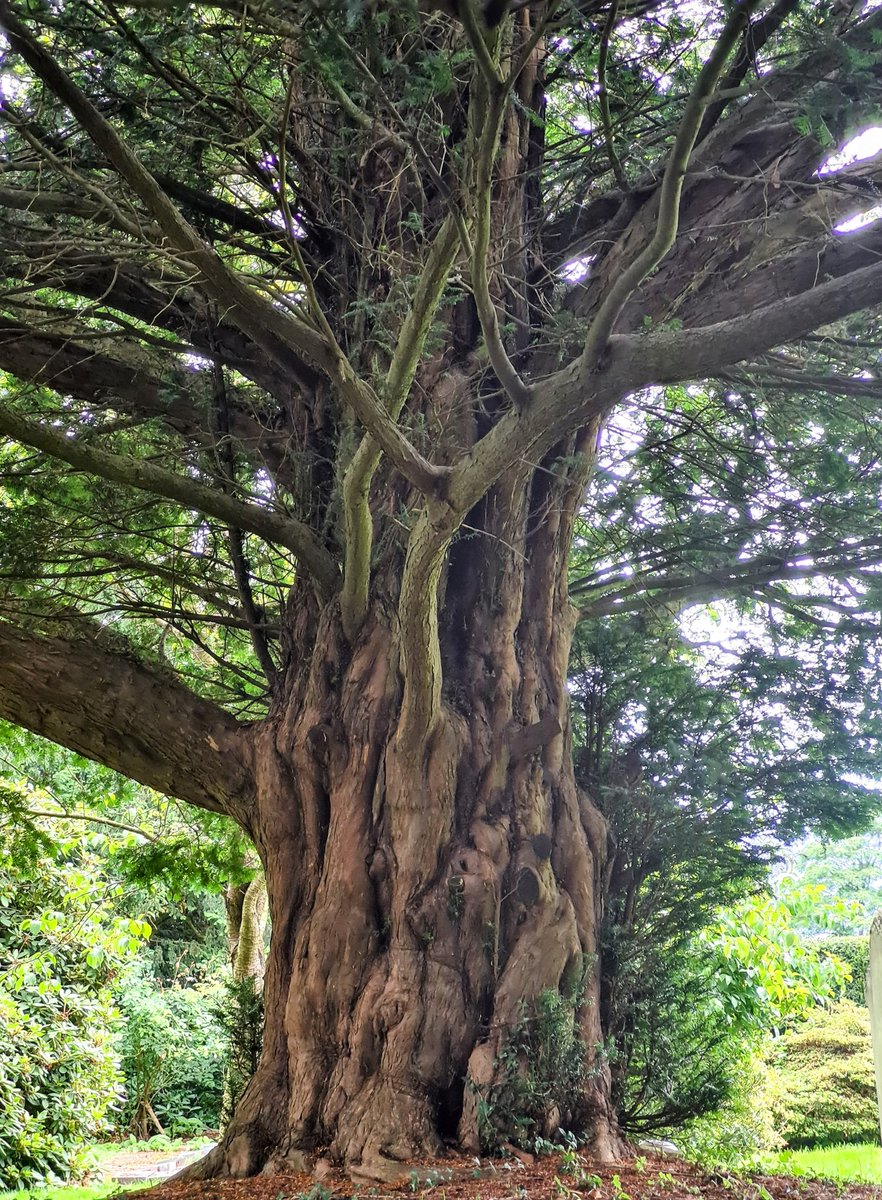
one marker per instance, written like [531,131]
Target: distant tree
[313,321]
[850,868]
[705,760]
[854,951]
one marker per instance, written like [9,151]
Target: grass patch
[104,1150]
[859,1163]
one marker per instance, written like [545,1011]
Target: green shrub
[540,1069]
[825,1066]
[59,946]
[855,951]
[172,1050]
[241,1019]
[697,1014]
[743,1127]
[58,1077]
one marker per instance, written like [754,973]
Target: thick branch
[755,218]
[667,357]
[114,709]
[576,394]
[134,472]
[418,615]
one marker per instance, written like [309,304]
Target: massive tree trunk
[430,902]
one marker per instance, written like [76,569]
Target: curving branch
[603,99]
[402,369]
[136,473]
[418,615]
[635,593]
[116,710]
[672,186]
[478,249]
[41,258]
[573,396]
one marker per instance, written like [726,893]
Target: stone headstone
[874,1002]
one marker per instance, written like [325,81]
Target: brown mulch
[524,1178]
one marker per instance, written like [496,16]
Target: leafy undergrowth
[856,1163]
[550,1177]
[836,1173]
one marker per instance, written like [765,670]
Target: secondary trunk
[433,971]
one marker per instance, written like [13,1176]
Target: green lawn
[856,1164]
[105,1150]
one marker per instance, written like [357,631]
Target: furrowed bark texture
[421,908]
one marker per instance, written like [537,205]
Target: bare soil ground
[549,1177]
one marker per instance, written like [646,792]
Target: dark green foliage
[706,760]
[694,1026]
[743,1126]
[855,951]
[188,945]
[542,1069]
[699,775]
[826,1073]
[671,1062]
[241,1018]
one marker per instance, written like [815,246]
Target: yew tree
[313,315]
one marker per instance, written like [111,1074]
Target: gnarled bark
[106,704]
[422,905]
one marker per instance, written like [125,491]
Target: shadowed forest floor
[550,1177]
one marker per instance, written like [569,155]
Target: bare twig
[603,97]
